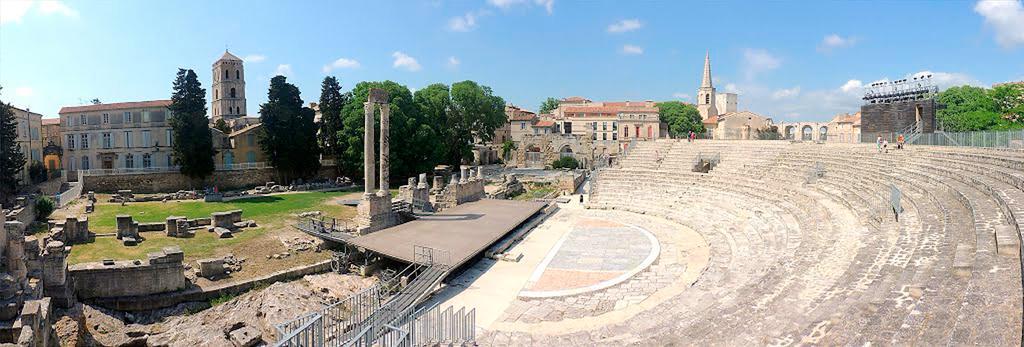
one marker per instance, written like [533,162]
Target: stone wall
[894,117]
[466,188]
[570,181]
[163,272]
[173,181]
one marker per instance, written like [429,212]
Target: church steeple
[706,81]
[706,92]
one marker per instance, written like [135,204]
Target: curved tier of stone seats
[824,261]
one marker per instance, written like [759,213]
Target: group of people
[883,144]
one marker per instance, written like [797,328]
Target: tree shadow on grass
[257,200]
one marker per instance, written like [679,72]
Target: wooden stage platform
[464,231]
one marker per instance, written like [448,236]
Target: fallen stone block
[129,241]
[211,267]
[222,232]
[245,337]
[155,226]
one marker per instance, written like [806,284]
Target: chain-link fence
[993,138]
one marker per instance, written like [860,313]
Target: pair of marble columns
[368,139]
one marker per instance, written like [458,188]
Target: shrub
[44,207]
[37,172]
[565,163]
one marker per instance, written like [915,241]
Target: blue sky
[792,60]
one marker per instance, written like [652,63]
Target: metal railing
[991,138]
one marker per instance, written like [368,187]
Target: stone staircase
[828,262]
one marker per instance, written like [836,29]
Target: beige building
[726,102]
[228,89]
[126,135]
[842,128]
[611,125]
[240,147]
[52,150]
[520,122]
[742,125]
[30,139]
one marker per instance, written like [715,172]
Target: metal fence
[993,138]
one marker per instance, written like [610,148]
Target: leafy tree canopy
[548,105]
[969,108]
[332,101]
[12,160]
[682,118]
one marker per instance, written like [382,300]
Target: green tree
[414,138]
[548,105]
[289,133]
[769,133]
[11,157]
[44,208]
[222,125]
[506,149]
[682,118]
[37,172]
[1009,102]
[475,110]
[332,101]
[565,163]
[192,145]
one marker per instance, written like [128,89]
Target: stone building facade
[842,128]
[228,89]
[126,135]
[29,138]
[726,102]
[741,125]
[52,150]
[240,146]
[619,122]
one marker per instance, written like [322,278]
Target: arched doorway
[808,133]
[791,132]
[823,133]
[566,151]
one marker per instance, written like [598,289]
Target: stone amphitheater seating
[826,261]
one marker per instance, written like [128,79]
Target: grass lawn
[536,191]
[271,213]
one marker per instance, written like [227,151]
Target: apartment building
[29,139]
[125,135]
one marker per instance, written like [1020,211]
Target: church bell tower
[706,92]
[228,88]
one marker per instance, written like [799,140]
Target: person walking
[899,142]
[885,146]
[878,143]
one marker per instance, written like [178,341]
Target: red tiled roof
[544,124]
[51,121]
[711,120]
[608,109]
[523,117]
[575,99]
[115,106]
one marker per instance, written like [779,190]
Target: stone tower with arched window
[228,88]
[706,92]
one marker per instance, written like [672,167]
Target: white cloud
[463,23]
[1006,17]
[24,92]
[254,58]
[548,5]
[786,93]
[404,61]
[852,86]
[453,62]
[683,96]
[632,50]
[54,6]
[757,61]
[13,10]
[835,41]
[731,88]
[341,63]
[625,25]
[950,79]
[283,70]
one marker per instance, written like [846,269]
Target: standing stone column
[423,181]
[368,167]
[385,137]
[463,174]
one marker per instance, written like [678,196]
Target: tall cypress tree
[193,144]
[12,160]
[289,133]
[331,103]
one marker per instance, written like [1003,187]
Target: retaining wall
[164,272]
[152,302]
[159,182]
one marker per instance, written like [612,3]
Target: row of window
[107,140]
[238,74]
[126,117]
